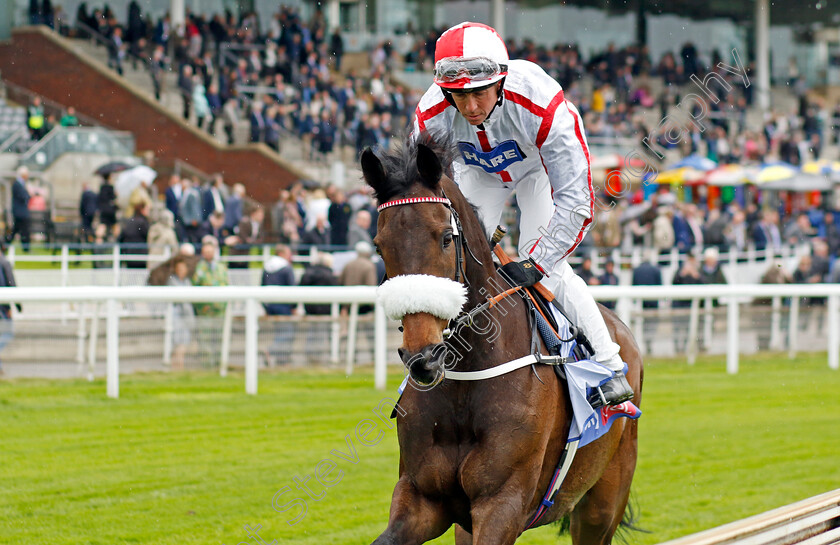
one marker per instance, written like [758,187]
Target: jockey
[515,130]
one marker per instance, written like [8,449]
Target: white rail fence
[814,521]
[628,298]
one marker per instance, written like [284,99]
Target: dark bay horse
[481,454]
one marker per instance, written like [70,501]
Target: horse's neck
[494,331]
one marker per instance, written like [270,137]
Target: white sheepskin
[412,293]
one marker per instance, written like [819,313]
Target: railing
[740,267]
[62,140]
[628,298]
[815,521]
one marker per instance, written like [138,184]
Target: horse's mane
[400,164]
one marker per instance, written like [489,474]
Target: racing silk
[534,132]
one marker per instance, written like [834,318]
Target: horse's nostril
[402,352]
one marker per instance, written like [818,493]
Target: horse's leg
[414,518]
[462,537]
[498,519]
[597,515]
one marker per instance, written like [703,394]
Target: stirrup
[618,391]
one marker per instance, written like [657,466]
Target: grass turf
[190,458]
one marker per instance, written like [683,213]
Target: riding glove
[521,273]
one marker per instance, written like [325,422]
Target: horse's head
[418,239]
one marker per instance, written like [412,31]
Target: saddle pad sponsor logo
[495,160]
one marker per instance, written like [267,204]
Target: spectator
[586,273]
[337,48]
[116,51]
[135,236]
[648,274]
[820,261]
[285,218]
[35,119]
[87,211]
[248,234]
[233,208]
[711,272]
[278,271]
[319,235]
[360,229]
[183,317]
[688,274]
[159,276]
[213,197]
[107,205]
[185,86]
[766,232]
[663,229]
[7,280]
[209,272]
[800,231]
[139,195]
[832,234]
[608,278]
[69,119]
[20,208]
[318,273]
[201,106]
[361,271]
[162,239]
[189,208]
[215,227]
[172,197]
[158,66]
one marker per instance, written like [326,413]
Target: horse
[479,455]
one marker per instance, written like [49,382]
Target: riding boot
[574,297]
[614,392]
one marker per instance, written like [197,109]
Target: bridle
[457,231]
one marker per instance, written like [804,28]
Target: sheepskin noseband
[413,293]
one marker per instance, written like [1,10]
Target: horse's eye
[447,239]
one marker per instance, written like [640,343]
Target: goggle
[475,69]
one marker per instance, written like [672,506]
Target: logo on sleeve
[494,161]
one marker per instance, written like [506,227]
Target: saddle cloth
[582,377]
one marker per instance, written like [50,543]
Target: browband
[413,200]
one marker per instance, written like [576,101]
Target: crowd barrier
[814,521]
[628,299]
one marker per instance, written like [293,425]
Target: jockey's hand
[521,273]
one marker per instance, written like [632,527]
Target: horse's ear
[428,164]
[373,170]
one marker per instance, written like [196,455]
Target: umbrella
[728,175]
[612,161]
[697,162]
[682,175]
[772,172]
[800,182]
[109,168]
[128,180]
[823,166]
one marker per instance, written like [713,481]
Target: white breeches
[533,197]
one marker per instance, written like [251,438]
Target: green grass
[190,458]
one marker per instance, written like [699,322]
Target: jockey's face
[477,105]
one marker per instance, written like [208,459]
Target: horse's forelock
[400,164]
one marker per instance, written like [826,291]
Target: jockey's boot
[614,392]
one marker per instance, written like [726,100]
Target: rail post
[793,326]
[834,332]
[168,330]
[732,328]
[113,341]
[380,371]
[352,329]
[335,333]
[693,326]
[251,335]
